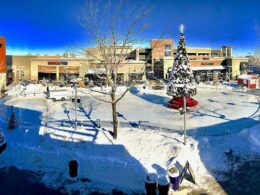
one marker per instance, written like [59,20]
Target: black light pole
[184,107]
[76,99]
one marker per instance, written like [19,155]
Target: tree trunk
[115,121]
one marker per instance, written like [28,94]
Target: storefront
[128,71]
[208,73]
[56,69]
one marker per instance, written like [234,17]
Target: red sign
[2,55]
[57,63]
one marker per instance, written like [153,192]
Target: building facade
[205,62]
[2,63]
[207,53]
[161,48]
[236,66]
[204,69]
[134,64]
[57,68]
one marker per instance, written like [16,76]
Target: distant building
[161,48]
[131,68]
[207,53]
[2,63]
[135,64]
[43,67]
[143,54]
[226,51]
[236,66]
[95,53]
[205,62]
[58,68]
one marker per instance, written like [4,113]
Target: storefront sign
[207,63]
[57,63]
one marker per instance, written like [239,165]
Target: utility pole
[184,107]
[76,99]
[66,75]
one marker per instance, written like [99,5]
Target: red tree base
[177,102]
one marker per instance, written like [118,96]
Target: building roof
[58,59]
[247,77]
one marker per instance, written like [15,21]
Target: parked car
[59,95]
[177,102]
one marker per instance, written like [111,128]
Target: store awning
[195,68]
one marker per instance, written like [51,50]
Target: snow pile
[15,91]
[31,88]
[28,90]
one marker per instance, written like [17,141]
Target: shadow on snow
[104,164]
[152,98]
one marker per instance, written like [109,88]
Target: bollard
[163,185]
[73,168]
[151,184]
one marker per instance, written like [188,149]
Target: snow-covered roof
[247,77]
[208,67]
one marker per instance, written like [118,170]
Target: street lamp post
[76,99]
[66,75]
[185,109]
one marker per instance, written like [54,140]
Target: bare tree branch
[121,97]
[110,102]
[102,92]
[115,30]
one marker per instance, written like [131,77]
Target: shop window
[135,76]
[167,47]
[167,53]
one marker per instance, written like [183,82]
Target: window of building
[167,47]
[167,53]
[135,76]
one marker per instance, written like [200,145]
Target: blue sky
[51,26]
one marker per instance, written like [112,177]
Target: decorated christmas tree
[182,82]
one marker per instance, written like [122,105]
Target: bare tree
[48,110]
[114,27]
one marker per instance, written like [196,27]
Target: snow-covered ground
[124,163]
